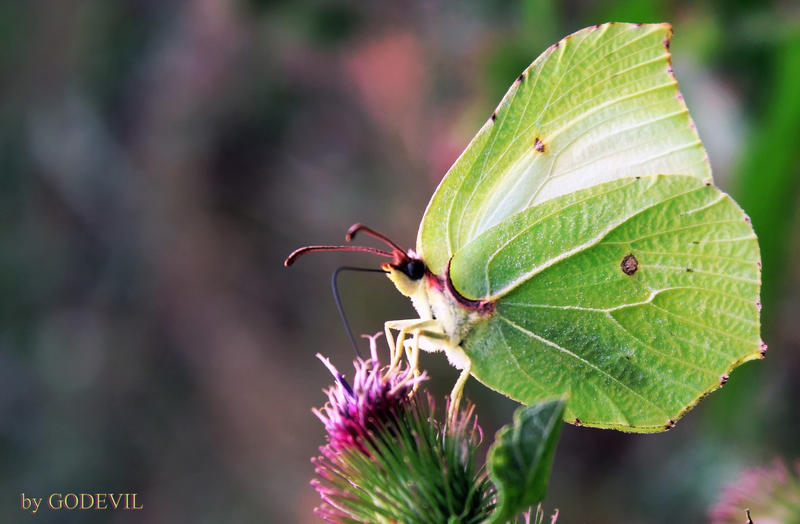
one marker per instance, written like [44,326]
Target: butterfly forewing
[601,104]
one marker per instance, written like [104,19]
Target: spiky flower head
[387,459]
[771,493]
[376,397]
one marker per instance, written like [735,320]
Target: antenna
[297,253]
[338,299]
[355,228]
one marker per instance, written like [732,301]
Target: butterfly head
[407,272]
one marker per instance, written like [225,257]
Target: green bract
[521,457]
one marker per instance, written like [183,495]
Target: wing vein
[702,272]
[595,240]
[517,363]
[705,327]
[589,56]
[682,228]
[601,371]
[524,230]
[602,81]
[663,354]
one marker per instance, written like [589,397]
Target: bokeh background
[158,160]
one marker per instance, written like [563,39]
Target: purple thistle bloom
[376,397]
[387,459]
[771,493]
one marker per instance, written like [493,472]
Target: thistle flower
[377,396]
[387,459]
[536,516]
[771,493]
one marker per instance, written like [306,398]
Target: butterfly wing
[601,104]
[635,297]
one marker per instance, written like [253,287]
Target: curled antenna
[397,254]
[355,228]
[338,299]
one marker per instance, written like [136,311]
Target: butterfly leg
[413,347]
[412,354]
[431,333]
[458,389]
[429,330]
[396,348]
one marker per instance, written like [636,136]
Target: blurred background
[158,160]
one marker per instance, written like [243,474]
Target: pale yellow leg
[399,348]
[411,352]
[432,331]
[458,389]
[389,341]
[414,358]
[404,327]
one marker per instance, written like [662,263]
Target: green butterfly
[578,247]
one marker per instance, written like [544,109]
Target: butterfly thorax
[434,297]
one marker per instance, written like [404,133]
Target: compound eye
[415,269]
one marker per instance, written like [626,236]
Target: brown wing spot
[538,145]
[578,422]
[494,116]
[629,264]
[521,77]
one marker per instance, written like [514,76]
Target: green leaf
[599,105]
[635,298]
[521,458]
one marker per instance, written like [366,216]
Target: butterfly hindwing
[635,297]
[599,105]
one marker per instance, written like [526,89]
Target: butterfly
[578,246]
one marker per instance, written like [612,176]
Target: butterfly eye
[415,269]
